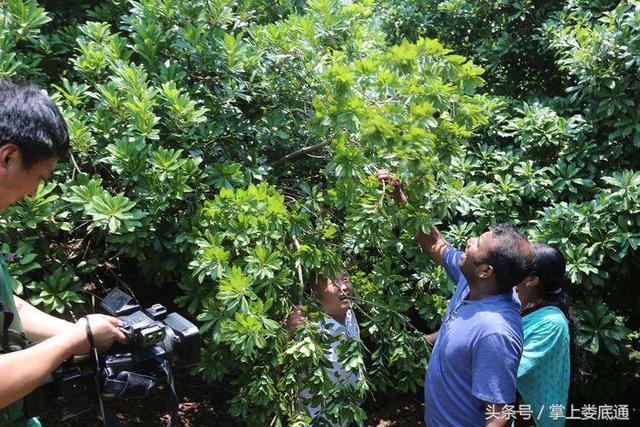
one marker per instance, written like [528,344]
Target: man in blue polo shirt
[473,366]
[472,371]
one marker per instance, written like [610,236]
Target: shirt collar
[489,299]
[350,325]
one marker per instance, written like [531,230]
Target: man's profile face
[477,250]
[16,182]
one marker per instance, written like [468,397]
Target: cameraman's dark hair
[550,268]
[30,120]
[510,259]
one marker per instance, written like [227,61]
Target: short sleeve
[495,364]
[542,338]
[451,264]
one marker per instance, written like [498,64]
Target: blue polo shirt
[476,356]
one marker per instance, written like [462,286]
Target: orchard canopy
[224,152]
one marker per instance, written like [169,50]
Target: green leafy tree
[226,152]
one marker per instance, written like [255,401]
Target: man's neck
[478,292]
[340,317]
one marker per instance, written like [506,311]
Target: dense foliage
[222,148]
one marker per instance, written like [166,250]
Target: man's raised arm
[434,243]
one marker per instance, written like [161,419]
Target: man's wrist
[78,337]
[92,342]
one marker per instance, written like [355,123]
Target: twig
[300,152]
[86,249]
[384,190]
[82,224]
[299,269]
[389,309]
[351,300]
[76,167]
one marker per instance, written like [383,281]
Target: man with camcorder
[33,136]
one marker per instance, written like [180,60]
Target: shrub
[225,152]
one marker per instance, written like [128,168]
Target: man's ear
[531,281]
[8,153]
[484,271]
[322,282]
[317,282]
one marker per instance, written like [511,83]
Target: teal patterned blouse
[544,371]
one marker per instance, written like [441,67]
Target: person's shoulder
[505,306]
[553,314]
[504,320]
[351,324]
[452,250]
[500,341]
[497,320]
[549,318]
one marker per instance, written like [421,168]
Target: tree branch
[300,152]
[299,269]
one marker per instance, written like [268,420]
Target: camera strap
[173,396]
[7,317]
[108,417]
[127,385]
[131,384]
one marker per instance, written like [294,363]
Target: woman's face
[333,295]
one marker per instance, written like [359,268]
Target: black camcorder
[156,340]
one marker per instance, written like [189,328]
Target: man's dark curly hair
[511,258]
[30,120]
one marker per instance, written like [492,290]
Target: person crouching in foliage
[337,324]
[549,338]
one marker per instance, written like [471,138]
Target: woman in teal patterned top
[549,340]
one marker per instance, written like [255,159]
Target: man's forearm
[37,324]
[433,337]
[22,371]
[434,244]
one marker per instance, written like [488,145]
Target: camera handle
[108,417]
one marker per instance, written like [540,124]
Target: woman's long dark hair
[550,268]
